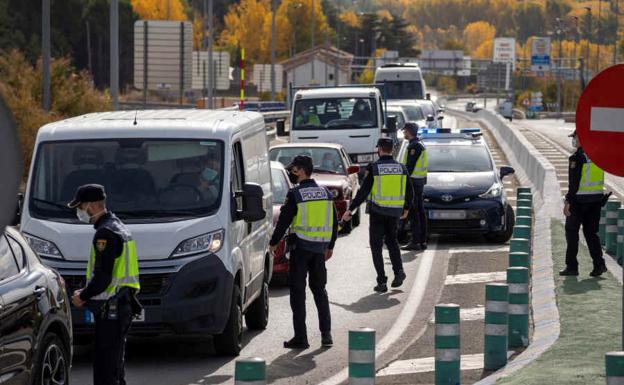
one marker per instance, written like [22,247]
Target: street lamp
[589,33]
[273,9]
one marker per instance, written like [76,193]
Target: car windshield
[443,158]
[398,112]
[280,186]
[326,160]
[427,108]
[403,90]
[335,113]
[145,180]
[414,113]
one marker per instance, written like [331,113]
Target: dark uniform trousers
[382,229]
[588,215]
[110,346]
[418,216]
[302,263]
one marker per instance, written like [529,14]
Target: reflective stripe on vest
[421,166]
[125,271]
[389,184]
[592,179]
[314,221]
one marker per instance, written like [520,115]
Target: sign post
[540,54]
[600,126]
[505,52]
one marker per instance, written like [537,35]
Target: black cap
[573,134]
[411,127]
[87,193]
[385,143]
[302,161]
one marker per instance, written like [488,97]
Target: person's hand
[273,249]
[404,215]
[328,253]
[76,300]
[566,210]
[346,217]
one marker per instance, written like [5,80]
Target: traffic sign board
[600,120]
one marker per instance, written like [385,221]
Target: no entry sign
[600,120]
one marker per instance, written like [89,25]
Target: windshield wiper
[53,204]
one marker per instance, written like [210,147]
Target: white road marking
[404,319]
[606,119]
[427,364]
[482,249]
[462,279]
[472,314]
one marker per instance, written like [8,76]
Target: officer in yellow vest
[415,159]
[310,213]
[389,192]
[583,202]
[112,282]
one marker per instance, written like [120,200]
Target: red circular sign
[600,120]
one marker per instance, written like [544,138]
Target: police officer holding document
[112,283]
[415,159]
[310,213]
[390,195]
[583,202]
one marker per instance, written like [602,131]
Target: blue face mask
[209,174]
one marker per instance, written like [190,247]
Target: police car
[464,193]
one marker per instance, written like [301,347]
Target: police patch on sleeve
[413,151]
[572,164]
[100,245]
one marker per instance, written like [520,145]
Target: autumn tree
[476,33]
[160,9]
[245,27]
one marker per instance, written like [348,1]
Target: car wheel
[505,235]
[230,342]
[257,317]
[52,364]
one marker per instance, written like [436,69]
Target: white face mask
[83,216]
[574,142]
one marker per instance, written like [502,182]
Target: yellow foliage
[159,9]
[350,19]
[384,15]
[476,33]
[484,51]
[244,27]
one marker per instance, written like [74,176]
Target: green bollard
[495,341]
[524,221]
[250,371]
[519,244]
[525,196]
[524,211]
[611,229]
[620,238]
[447,356]
[362,356]
[524,203]
[602,227]
[518,282]
[519,259]
[614,362]
[521,190]
[523,232]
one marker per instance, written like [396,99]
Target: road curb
[532,169]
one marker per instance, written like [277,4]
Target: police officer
[582,207]
[310,213]
[113,279]
[385,185]
[415,159]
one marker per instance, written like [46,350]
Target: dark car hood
[458,185]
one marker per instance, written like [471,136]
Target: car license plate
[140,317]
[447,214]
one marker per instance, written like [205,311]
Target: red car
[332,169]
[280,187]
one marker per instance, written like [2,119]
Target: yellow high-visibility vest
[592,179]
[314,221]
[421,166]
[389,186]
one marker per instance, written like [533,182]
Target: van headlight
[45,249]
[210,242]
[493,192]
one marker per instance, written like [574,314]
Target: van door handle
[39,291]
[308,137]
[359,136]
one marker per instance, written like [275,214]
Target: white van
[350,116]
[401,81]
[193,186]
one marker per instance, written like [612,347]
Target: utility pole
[114,53]
[589,33]
[90,66]
[338,55]
[617,27]
[210,63]
[273,10]
[598,36]
[312,39]
[168,9]
[45,52]
[558,31]
[204,47]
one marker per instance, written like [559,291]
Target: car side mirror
[440,117]
[280,126]
[354,169]
[391,125]
[506,170]
[253,203]
[18,210]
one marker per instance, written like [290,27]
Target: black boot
[326,340]
[597,272]
[381,288]
[412,247]
[568,272]
[297,343]
[398,279]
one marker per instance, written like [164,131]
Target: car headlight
[45,249]
[210,242]
[493,192]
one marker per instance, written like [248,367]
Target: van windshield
[403,90]
[145,180]
[335,113]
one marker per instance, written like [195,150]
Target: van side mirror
[391,125]
[280,126]
[253,203]
[18,210]
[506,170]
[428,96]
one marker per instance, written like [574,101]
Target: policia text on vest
[113,280]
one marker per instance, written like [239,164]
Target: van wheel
[257,317]
[505,235]
[230,342]
[52,362]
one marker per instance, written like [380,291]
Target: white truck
[402,81]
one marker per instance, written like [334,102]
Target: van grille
[151,284]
